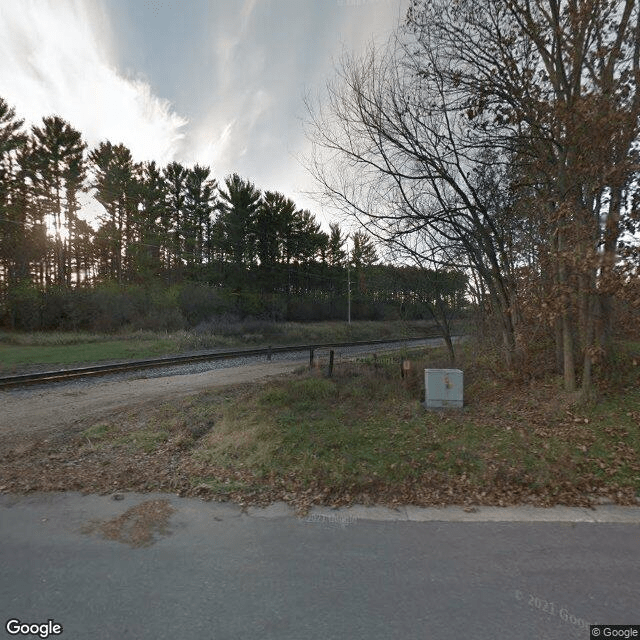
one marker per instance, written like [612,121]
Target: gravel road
[41,408]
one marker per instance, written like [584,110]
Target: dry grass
[361,436]
[21,351]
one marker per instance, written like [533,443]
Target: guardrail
[94,370]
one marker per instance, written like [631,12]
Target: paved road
[222,573]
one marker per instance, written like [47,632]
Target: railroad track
[97,370]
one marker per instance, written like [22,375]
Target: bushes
[23,308]
[197,302]
[105,309]
[111,307]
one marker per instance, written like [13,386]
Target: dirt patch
[138,526]
[361,438]
[56,408]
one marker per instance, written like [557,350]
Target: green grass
[146,440]
[97,432]
[21,351]
[363,436]
[13,357]
[365,431]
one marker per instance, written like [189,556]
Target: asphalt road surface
[223,573]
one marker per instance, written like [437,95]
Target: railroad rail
[118,367]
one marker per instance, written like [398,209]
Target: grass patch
[363,436]
[28,351]
[97,432]
[146,440]
[17,356]
[364,433]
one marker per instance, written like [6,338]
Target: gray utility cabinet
[443,388]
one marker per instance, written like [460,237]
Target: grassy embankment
[363,436]
[21,351]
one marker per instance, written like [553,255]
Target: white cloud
[57,59]
[247,10]
[228,132]
[211,147]
[258,84]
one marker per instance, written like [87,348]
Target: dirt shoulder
[55,408]
[261,433]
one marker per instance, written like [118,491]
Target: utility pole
[348,293]
[346,240]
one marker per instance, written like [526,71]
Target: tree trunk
[557,329]
[612,232]
[569,366]
[586,389]
[567,352]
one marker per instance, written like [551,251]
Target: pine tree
[59,174]
[238,211]
[13,216]
[154,225]
[336,254]
[175,175]
[363,253]
[117,188]
[200,203]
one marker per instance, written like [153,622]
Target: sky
[220,83]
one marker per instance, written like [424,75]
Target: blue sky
[218,82]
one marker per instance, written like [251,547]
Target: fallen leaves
[529,452]
[138,526]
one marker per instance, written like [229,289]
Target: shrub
[24,307]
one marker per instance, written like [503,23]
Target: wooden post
[331,363]
[311,358]
[269,354]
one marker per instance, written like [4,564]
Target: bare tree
[473,110]
[556,82]
[391,148]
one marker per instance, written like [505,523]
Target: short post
[269,354]
[375,361]
[331,363]
[311,358]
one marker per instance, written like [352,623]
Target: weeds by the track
[360,436]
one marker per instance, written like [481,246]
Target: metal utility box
[443,388]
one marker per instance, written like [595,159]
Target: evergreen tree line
[173,246]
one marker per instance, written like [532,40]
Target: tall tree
[155,223]
[274,219]
[305,238]
[239,204]
[200,202]
[401,163]
[418,128]
[13,212]
[336,254]
[363,252]
[175,175]
[117,189]
[59,174]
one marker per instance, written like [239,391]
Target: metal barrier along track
[96,370]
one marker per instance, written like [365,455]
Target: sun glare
[55,232]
